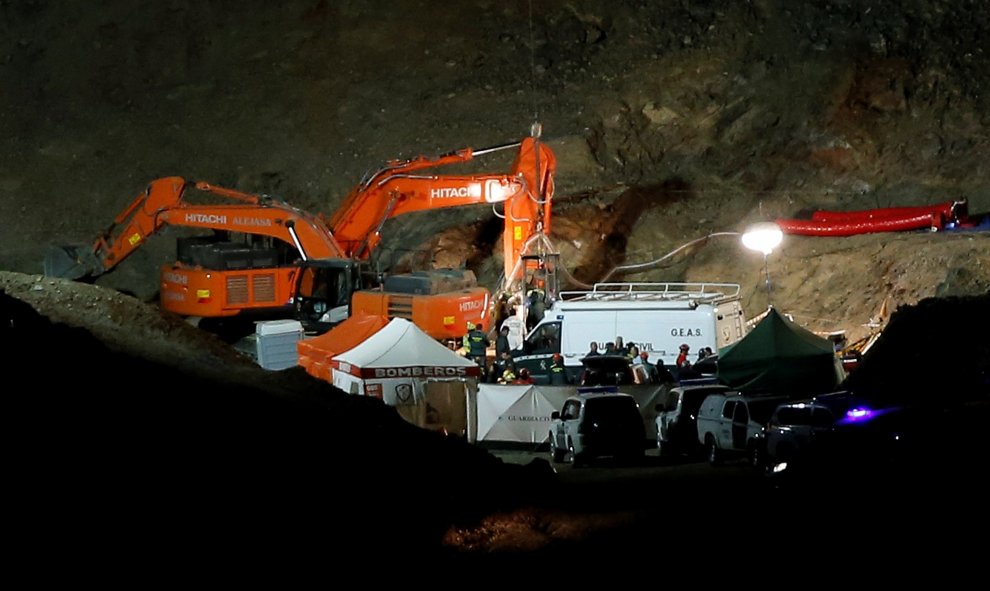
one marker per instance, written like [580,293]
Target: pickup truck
[731,425]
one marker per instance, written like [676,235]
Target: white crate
[276,343]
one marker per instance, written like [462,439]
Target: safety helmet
[557,357]
[685,347]
[644,355]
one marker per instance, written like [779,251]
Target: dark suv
[597,424]
[836,431]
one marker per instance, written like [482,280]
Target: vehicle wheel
[755,457]
[714,453]
[558,454]
[662,449]
[576,460]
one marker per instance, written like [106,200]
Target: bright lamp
[762,237]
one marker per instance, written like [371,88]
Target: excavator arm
[527,216]
[163,204]
[124,235]
[526,191]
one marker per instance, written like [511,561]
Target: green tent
[781,357]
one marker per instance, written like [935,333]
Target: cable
[642,266]
[532,64]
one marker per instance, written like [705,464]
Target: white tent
[396,363]
[521,414]
[518,414]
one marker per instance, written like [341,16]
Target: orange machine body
[216,276]
[209,293]
[443,316]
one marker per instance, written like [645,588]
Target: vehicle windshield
[693,399]
[760,410]
[794,415]
[617,408]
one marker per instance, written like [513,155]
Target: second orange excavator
[266,257]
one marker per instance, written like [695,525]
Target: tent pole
[766,271]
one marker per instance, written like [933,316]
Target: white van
[657,317]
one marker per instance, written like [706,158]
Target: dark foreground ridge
[148,460]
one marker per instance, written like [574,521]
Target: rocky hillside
[671,121]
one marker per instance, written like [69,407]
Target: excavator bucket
[70,262]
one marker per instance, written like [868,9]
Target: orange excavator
[267,257]
[526,195]
[393,190]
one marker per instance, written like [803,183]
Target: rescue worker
[476,343]
[652,377]
[508,375]
[682,357]
[516,326]
[558,374]
[663,374]
[524,378]
[502,363]
[687,372]
[502,342]
[547,340]
[535,303]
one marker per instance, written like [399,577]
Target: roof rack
[597,389]
[708,292]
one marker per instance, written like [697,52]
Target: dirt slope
[708,118]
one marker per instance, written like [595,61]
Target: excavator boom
[526,192]
[163,204]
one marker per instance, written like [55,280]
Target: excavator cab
[323,292]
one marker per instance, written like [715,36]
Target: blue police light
[859,414]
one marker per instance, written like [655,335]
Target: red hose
[862,226]
[943,210]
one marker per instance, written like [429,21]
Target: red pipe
[945,210]
[861,226]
